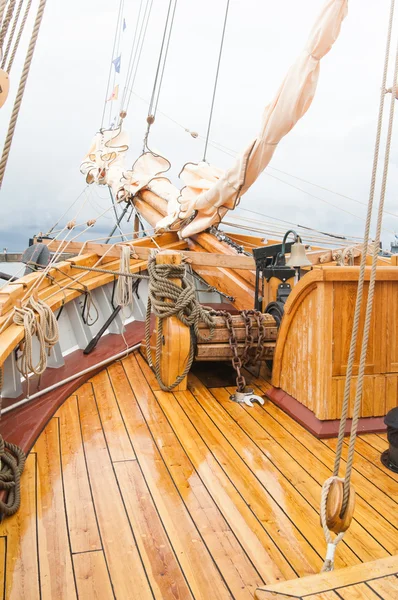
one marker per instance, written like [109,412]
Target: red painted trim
[320,429]
[24,425]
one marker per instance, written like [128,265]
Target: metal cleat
[246,397]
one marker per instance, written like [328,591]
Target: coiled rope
[38,320]
[124,289]
[12,463]
[329,561]
[167,299]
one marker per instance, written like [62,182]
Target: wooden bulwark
[313,342]
[131,492]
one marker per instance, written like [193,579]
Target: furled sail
[104,164]
[209,194]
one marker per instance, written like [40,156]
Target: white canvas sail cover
[209,193]
[104,164]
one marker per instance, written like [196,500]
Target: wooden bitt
[218,349]
[176,336]
[334,521]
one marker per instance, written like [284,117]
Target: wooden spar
[176,337]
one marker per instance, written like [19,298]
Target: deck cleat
[246,396]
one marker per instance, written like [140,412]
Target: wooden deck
[133,493]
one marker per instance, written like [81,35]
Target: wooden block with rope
[175,336]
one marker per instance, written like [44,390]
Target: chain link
[240,361]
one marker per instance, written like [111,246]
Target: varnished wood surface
[312,348]
[379,580]
[131,492]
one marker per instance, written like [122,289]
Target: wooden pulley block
[334,521]
[4,86]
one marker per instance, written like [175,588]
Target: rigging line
[12,32]
[322,200]
[140,41]
[6,21]
[110,67]
[21,89]
[271,230]
[165,56]
[67,210]
[117,53]
[159,60]
[132,53]
[2,9]
[164,59]
[336,235]
[216,81]
[19,35]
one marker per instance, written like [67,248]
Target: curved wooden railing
[313,342]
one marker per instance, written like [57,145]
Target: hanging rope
[124,288]
[38,321]
[19,35]
[216,81]
[2,9]
[167,299]
[157,84]
[329,562]
[6,22]
[11,36]
[21,90]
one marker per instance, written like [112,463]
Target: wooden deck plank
[386,588]
[117,538]
[291,483]
[380,477]
[363,486]
[173,494]
[20,535]
[55,563]
[214,520]
[318,460]
[372,454]
[92,577]
[82,524]
[356,592]
[117,439]
[325,596]
[200,436]
[375,441]
[270,460]
[167,579]
[323,582]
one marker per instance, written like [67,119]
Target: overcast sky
[331,146]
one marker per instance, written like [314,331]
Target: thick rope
[19,35]
[12,463]
[6,22]
[12,32]
[21,90]
[124,289]
[37,320]
[2,9]
[358,396]
[167,299]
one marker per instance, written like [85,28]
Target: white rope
[124,288]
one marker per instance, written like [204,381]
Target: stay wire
[216,81]
[132,54]
[121,2]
